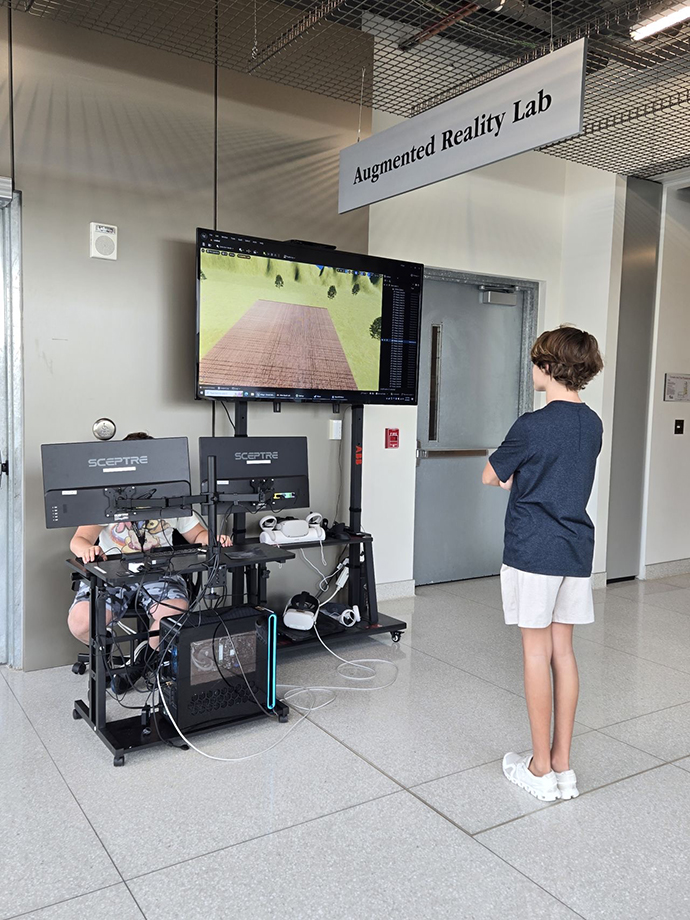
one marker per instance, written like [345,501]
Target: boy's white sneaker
[516,770]
[567,784]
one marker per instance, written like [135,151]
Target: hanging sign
[537,104]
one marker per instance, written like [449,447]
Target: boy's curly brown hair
[569,356]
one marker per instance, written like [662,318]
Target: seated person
[163,597]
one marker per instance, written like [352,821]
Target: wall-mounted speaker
[103,241]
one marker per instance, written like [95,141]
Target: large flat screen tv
[292,321]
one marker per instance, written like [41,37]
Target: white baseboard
[394,590]
[668,569]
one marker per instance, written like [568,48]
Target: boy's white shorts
[535,601]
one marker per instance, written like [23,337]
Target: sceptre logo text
[118,461]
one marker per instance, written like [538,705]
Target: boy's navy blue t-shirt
[552,453]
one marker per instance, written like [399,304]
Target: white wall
[111,131]
[668,470]
[534,217]
[591,263]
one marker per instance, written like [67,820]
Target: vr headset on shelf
[279,531]
[302,610]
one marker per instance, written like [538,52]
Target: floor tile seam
[581,638]
[360,756]
[134,898]
[462,597]
[280,830]
[662,609]
[67,786]
[76,897]
[530,879]
[463,830]
[642,595]
[640,749]
[549,805]
[601,728]
[488,763]
[456,667]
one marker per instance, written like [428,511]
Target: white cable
[294,691]
[324,578]
[226,759]
[363,663]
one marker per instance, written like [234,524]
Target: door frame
[12,441]
[530,318]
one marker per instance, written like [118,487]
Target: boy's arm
[507,459]
[489,478]
[199,534]
[83,542]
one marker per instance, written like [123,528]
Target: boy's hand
[223,539]
[508,485]
[90,553]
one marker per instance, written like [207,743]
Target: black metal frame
[362,580]
[151,726]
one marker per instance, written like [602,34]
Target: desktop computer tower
[219,667]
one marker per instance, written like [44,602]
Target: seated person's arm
[199,534]
[83,542]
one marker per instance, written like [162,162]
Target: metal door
[475,379]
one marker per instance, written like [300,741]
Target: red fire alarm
[392,437]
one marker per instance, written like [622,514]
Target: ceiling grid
[415,54]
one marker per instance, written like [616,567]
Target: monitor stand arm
[119,501]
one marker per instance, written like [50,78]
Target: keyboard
[162,552]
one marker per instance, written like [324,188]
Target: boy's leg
[78,619]
[168,608]
[566,686]
[164,598]
[537,650]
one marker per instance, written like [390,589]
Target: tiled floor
[386,804]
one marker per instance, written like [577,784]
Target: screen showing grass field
[272,327]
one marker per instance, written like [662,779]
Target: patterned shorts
[120,600]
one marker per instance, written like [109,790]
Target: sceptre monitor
[276,467]
[291,321]
[82,482]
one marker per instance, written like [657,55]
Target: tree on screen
[375,328]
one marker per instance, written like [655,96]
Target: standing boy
[547,462]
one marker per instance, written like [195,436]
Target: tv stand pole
[239,528]
[362,584]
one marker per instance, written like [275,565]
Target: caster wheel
[76,715]
[119,761]
[79,668]
[396,636]
[282,718]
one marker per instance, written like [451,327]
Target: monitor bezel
[316,255]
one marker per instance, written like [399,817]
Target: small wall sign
[677,388]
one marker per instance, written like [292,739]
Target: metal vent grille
[404,56]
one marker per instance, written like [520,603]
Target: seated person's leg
[78,616]
[164,598]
